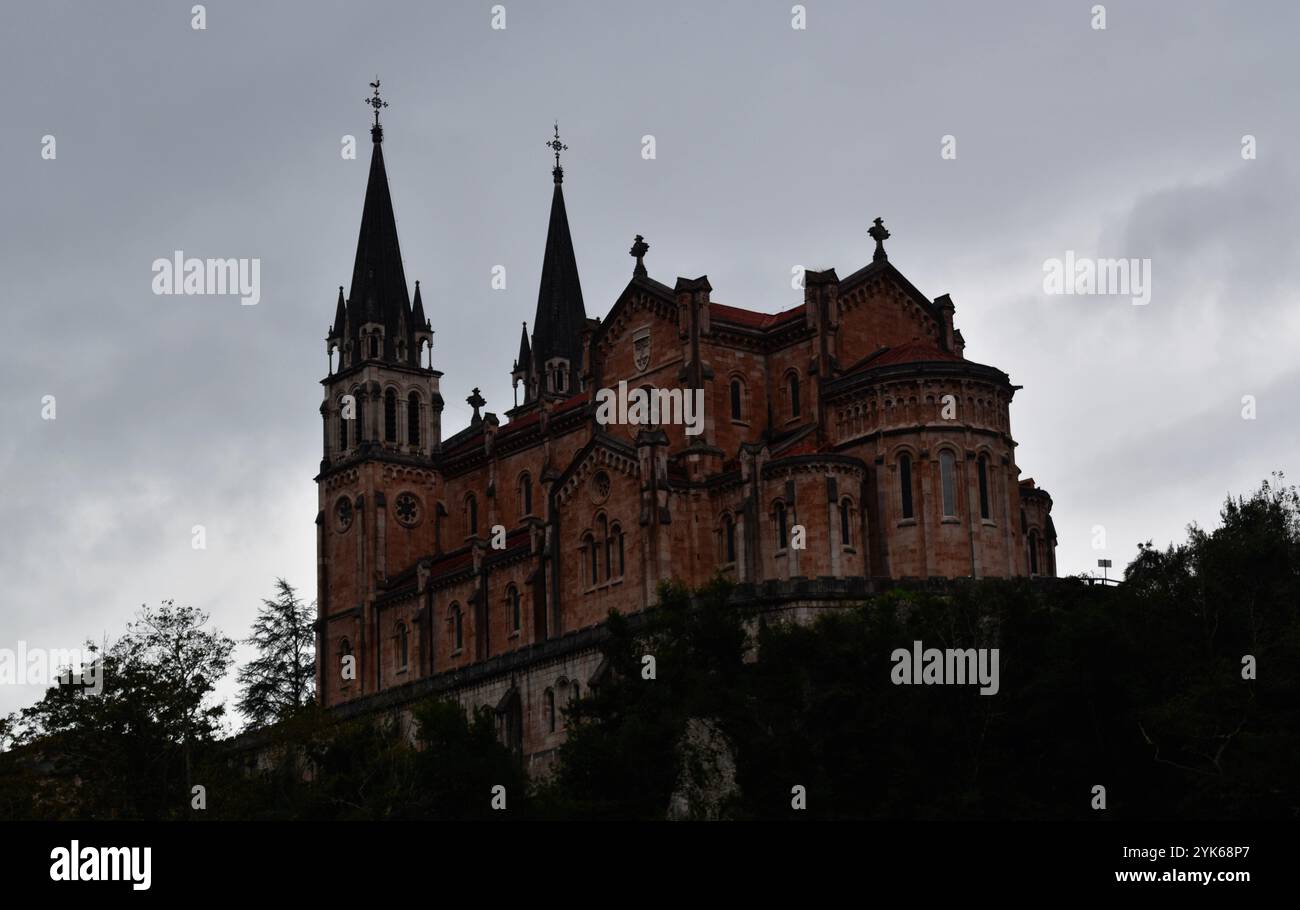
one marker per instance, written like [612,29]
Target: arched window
[905,482]
[846,523]
[728,539]
[737,399]
[982,467]
[360,410]
[525,494]
[782,531]
[602,534]
[614,550]
[577,691]
[589,551]
[413,419]
[514,613]
[792,381]
[549,707]
[948,481]
[390,415]
[457,627]
[403,646]
[471,513]
[374,345]
[343,428]
[1033,552]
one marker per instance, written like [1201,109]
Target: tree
[1179,691]
[129,751]
[281,679]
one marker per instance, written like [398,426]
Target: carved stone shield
[641,351]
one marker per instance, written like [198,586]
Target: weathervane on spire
[557,146]
[376,102]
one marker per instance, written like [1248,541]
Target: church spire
[556,353]
[525,359]
[379,306]
[340,317]
[417,310]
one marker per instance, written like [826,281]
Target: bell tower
[382,421]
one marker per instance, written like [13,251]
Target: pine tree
[281,679]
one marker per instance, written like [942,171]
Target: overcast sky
[775,147]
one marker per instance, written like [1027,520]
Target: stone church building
[481,563]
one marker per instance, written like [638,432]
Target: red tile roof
[752,319]
[910,352]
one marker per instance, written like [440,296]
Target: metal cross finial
[375,101]
[557,146]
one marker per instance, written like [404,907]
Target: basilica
[844,440]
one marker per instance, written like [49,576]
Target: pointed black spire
[558,323]
[340,317]
[525,361]
[418,319]
[378,293]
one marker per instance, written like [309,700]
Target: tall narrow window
[948,480]
[614,552]
[525,494]
[343,429]
[413,419]
[374,345]
[728,538]
[589,547]
[512,604]
[846,526]
[390,416]
[982,466]
[602,536]
[782,535]
[550,711]
[905,482]
[457,628]
[1033,552]
[360,411]
[403,646]
[736,393]
[471,514]
[794,394]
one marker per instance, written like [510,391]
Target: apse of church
[846,437]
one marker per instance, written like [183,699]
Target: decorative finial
[476,401]
[376,131]
[880,235]
[557,146]
[639,249]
